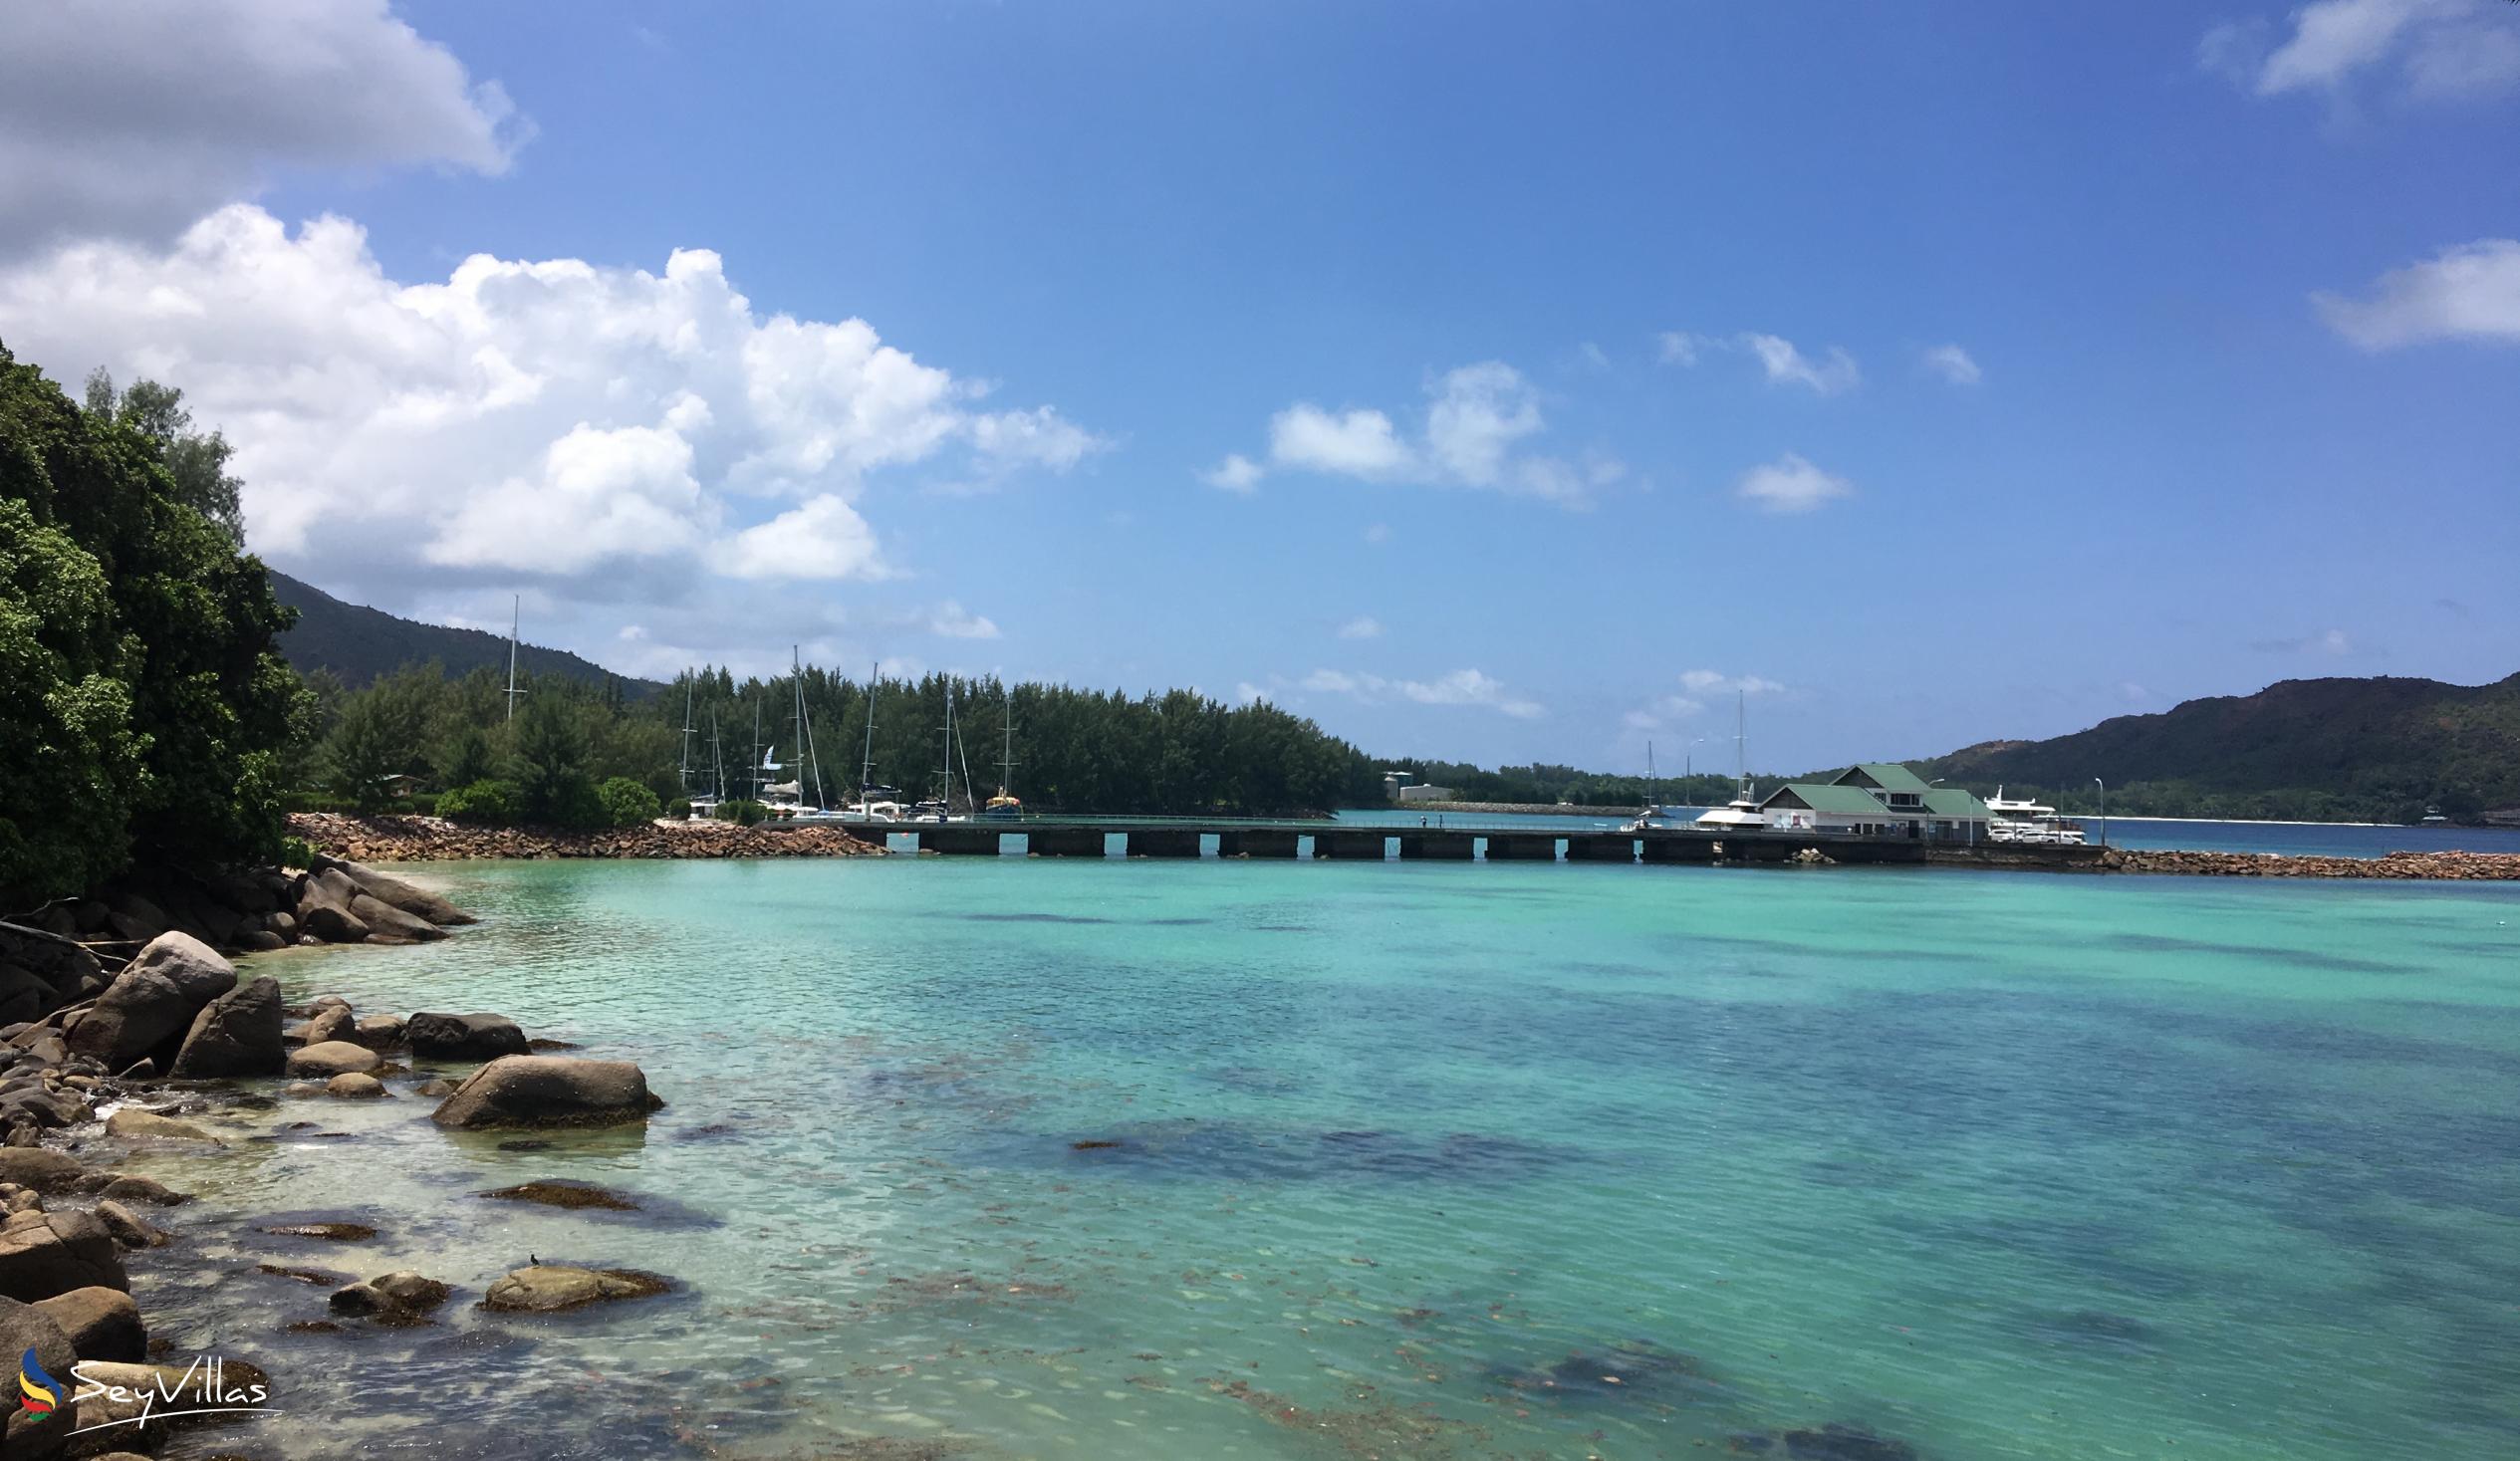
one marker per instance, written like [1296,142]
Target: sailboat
[1742,813]
[869,810]
[1006,806]
[1651,818]
[942,808]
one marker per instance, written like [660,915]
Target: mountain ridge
[361,644]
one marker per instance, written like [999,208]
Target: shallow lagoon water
[1429,1161]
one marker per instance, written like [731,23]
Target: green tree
[195,460]
[550,764]
[375,738]
[211,705]
[627,803]
[66,784]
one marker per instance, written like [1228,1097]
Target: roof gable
[1957,804]
[1886,774]
[1828,797]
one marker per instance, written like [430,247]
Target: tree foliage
[154,722]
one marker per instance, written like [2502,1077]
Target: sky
[1487,382]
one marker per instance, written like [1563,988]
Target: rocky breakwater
[179,1058]
[2445,867]
[435,840]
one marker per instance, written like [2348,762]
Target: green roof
[1955,803]
[1830,796]
[1889,776]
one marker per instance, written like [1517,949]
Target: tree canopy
[154,708]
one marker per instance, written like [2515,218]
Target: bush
[682,808]
[296,851]
[742,814]
[486,803]
[627,803]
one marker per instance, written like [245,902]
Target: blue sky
[1934,373]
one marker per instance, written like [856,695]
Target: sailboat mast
[1006,758]
[946,765]
[757,756]
[1651,800]
[805,728]
[1742,736]
[689,687]
[866,768]
[516,616]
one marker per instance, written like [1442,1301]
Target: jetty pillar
[1361,845]
[1068,841]
[1257,844]
[1599,847]
[1525,849]
[1682,848]
[1756,847]
[967,841]
[1164,843]
[1436,846]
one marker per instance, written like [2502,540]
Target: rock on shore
[2449,867]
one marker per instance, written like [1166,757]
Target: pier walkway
[1455,841]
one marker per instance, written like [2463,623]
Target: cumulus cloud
[552,417]
[2465,292]
[1952,363]
[950,620]
[132,118]
[1787,366]
[2432,50]
[1477,419]
[1362,627]
[1236,473]
[1791,485]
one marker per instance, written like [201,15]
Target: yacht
[2020,820]
[1742,813]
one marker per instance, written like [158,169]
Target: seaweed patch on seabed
[1369,1428]
[1831,1442]
[1634,1371]
[1238,1152]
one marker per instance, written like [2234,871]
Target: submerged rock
[126,1227]
[330,1058]
[410,899]
[551,1287]
[547,1090]
[134,1125]
[564,1194]
[355,1084]
[395,1298]
[325,1232]
[1831,1442]
[474,1037]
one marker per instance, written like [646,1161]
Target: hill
[360,644]
[2367,750]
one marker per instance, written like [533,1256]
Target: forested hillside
[2367,750]
[357,643]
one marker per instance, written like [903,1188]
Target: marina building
[1878,798]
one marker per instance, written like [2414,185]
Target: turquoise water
[1432,1160]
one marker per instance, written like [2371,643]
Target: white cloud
[1476,417]
[1461,687]
[1952,363]
[1236,473]
[550,417]
[132,118]
[1791,484]
[1377,534]
[2436,50]
[823,539]
[1469,687]
[1679,348]
[2465,292]
[1361,626]
[1660,713]
[1593,355]
[1247,693]
[1787,366]
[951,622]
[1357,443]
[1717,682]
